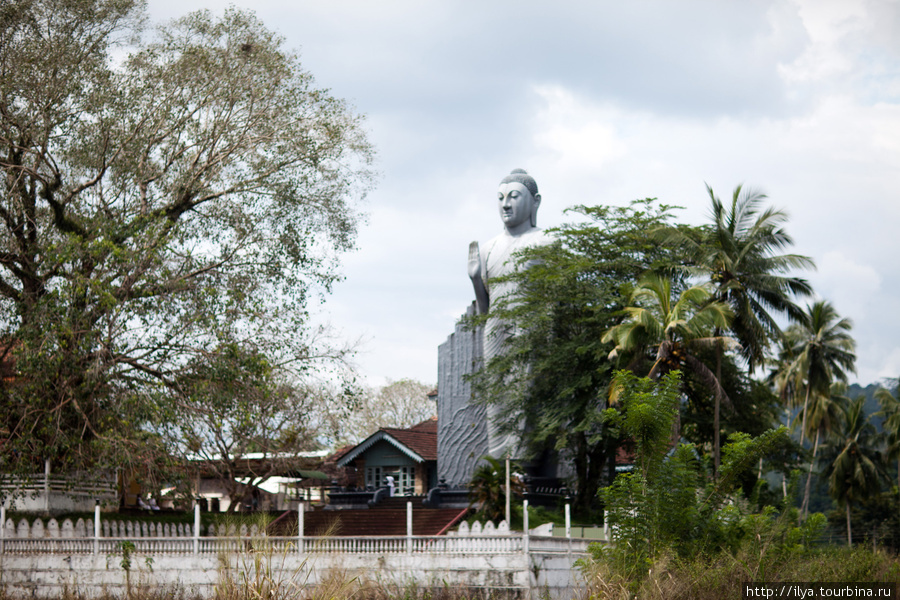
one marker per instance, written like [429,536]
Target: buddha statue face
[518,207]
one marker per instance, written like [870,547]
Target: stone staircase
[387,518]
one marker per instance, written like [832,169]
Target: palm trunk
[717,408]
[803,422]
[804,508]
[849,532]
[783,476]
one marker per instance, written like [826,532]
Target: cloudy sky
[604,102]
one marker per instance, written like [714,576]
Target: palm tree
[856,471]
[823,351]
[740,255]
[788,381]
[890,410]
[675,327]
[825,412]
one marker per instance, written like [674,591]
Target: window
[373,478]
[407,481]
[404,479]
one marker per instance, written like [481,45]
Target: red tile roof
[421,438]
[418,441]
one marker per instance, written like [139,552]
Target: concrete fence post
[301,509]
[568,522]
[197,528]
[525,527]
[2,526]
[508,498]
[46,485]
[97,528]
[409,528]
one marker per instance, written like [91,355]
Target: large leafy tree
[160,200]
[238,420]
[556,370]
[351,413]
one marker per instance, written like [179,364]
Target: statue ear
[537,203]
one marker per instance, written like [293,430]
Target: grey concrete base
[462,424]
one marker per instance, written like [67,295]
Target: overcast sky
[604,102]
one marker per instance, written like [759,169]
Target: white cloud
[573,133]
[889,367]
[849,285]
[604,104]
[827,23]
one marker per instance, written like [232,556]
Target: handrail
[454,521]
[270,526]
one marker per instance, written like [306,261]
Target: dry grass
[723,577]
[262,575]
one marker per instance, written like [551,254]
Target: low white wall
[50,575]
[525,576]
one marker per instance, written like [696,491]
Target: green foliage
[667,505]
[816,352]
[668,326]
[738,253]
[650,410]
[876,520]
[608,284]
[229,404]
[127,549]
[487,489]
[890,413]
[856,470]
[157,206]
[754,408]
[556,369]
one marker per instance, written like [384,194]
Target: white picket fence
[512,544]
[107,537]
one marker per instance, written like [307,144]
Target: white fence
[41,491]
[43,560]
[492,545]
[107,537]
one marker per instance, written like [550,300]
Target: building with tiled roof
[408,456]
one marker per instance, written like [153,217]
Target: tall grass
[721,578]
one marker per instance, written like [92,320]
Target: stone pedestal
[462,424]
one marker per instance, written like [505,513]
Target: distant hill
[871,407]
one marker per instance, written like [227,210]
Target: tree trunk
[784,476]
[716,410]
[849,532]
[804,508]
[803,421]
